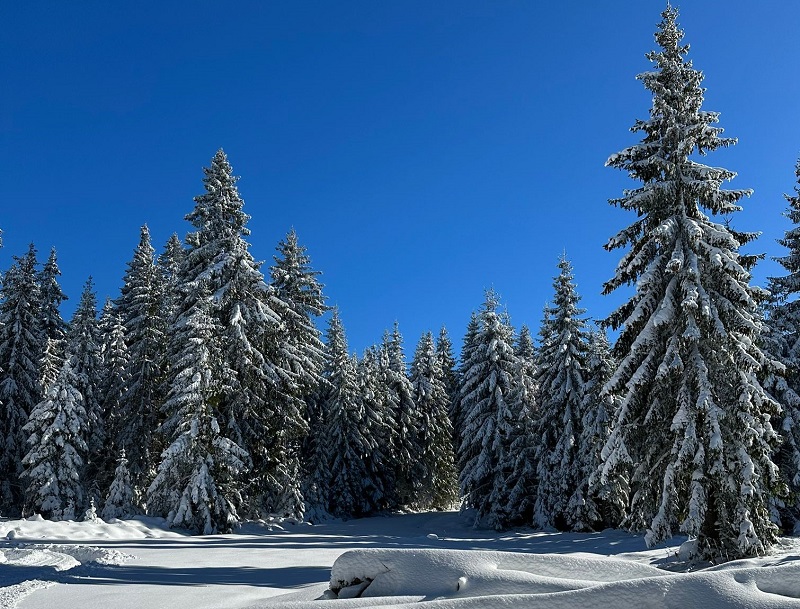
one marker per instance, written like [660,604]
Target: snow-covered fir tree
[378,428]
[603,505]
[348,443]
[437,483]
[520,459]
[447,362]
[693,424]
[21,347]
[120,501]
[83,347]
[298,295]
[781,339]
[54,328]
[140,307]
[464,386]
[561,376]
[114,366]
[406,446]
[487,388]
[57,428]
[262,411]
[198,484]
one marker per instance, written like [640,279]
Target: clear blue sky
[423,150]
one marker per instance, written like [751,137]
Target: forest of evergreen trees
[205,392]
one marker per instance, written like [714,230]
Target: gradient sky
[423,151]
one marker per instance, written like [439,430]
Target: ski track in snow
[430,560]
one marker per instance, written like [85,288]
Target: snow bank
[37,528]
[464,579]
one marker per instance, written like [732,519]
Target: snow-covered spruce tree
[520,459]
[169,265]
[83,346]
[447,362]
[54,328]
[781,339]
[300,348]
[114,366]
[406,446]
[120,502]
[349,446]
[561,378]
[464,387]
[378,428]
[57,428]
[199,480]
[605,505]
[262,410]
[438,482]
[21,347]
[488,419]
[694,421]
[140,307]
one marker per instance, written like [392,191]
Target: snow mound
[25,568]
[461,579]
[36,528]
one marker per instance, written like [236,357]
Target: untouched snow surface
[434,559]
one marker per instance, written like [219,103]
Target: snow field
[422,560]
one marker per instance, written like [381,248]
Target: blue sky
[423,151]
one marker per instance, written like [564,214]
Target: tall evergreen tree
[447,362]
[561,378]
[405,440]
[198,483]
[261,411]
[378,429]
[57,428]
[114,366]
[140,307]
[487,387]
[603,505]
[54,328]
[21,347]
[781,339]
[521,459]
[83,348]
[349,446]
[464,386]
[694,421]
[437,484]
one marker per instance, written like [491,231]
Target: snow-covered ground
[435,558]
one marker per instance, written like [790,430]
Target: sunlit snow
[435,559]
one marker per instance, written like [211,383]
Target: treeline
[206,394]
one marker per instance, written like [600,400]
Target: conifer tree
[378,429]
[120,501]
[521,460]
[83,347]
[261,411]
[781,339]
[57,428]
[114,366]
[437,482]
[405,439]
[140,307]
[198,483]
[447,362]
[348,444]
[487,387]
[54,328]
[21,347]
[298,295]
[694,422]
[561,378]
[464,386]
